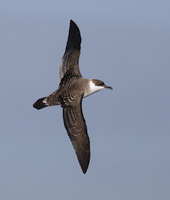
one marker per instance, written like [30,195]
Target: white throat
[92,89]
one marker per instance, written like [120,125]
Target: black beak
[108,87]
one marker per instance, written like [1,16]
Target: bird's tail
[40,103]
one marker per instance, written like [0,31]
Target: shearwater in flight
[72,89]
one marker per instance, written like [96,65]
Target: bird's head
[99,85]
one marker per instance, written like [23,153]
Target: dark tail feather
[39,104]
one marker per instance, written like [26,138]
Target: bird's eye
[101,83]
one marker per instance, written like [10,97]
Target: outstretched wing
[76,128]
[70,60]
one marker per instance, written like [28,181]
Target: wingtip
[72,22]
[84,164]
[84,170]
[75,26]
[74,37]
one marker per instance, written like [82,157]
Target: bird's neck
[91,88]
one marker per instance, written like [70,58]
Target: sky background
[125,43]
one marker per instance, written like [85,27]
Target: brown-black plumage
[72,114]
[69,97]
[74,37]
[70,60]
[72,89]
[77,130]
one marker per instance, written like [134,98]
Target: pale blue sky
[124,43]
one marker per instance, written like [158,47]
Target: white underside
[92,89]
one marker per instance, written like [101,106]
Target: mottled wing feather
[76,128]
[70,60]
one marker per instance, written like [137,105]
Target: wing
[70,60]
[76,128]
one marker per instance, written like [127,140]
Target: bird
[69,95]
